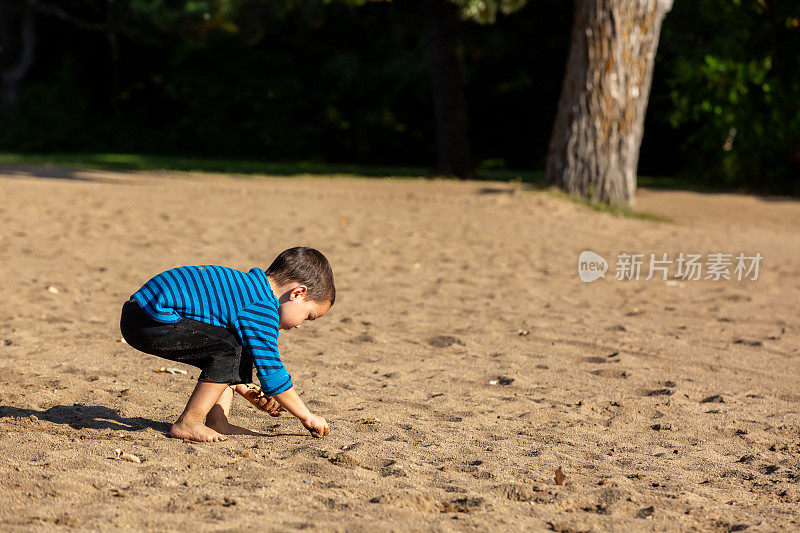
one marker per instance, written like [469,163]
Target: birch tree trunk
[594,147]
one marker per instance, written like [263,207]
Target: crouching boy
[225,322]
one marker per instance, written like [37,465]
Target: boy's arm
[291,401]
[258,327]
[258,330]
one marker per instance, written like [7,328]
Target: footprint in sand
[655,392]
[611,373]
[429,503]
[716,398]
[393,469]
[443,341]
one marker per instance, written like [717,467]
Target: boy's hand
[316,425]
[273,408]
[261,402]
[291,401]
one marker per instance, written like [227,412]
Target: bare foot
[226,428]
[196,431]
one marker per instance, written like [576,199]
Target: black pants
[216,351]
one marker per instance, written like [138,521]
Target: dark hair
[307,266]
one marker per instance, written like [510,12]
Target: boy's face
[295,309]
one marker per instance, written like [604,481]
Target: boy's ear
[298,291]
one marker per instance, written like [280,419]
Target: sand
[463,363]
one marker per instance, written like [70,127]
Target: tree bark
[594,147]
[113,49]
[450,104]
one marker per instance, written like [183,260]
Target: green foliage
[480,11]
[347,81]
[37,128]
[734,78]
[485,11]
[286,80]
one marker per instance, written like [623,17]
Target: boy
[224,322]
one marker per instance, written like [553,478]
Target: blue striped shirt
[228,298]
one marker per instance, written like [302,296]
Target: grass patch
[144,162]
[616,210]
[678,183]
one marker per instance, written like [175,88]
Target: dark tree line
[388,82]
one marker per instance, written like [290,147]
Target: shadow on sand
[80,416]
[60,173]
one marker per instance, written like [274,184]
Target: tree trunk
[113,49]
[8,22]
[594,147]
[11,79]
[450,104]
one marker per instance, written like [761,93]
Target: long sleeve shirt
[225,297]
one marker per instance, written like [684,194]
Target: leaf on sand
[560,477]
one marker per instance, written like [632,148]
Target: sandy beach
[463,363]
